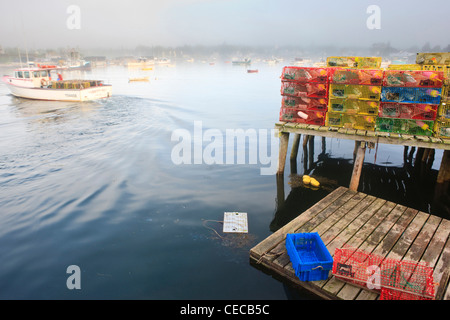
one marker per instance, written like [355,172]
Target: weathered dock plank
[371,224]
[280,235]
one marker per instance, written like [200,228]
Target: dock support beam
[295,144]
[294,153]
[284,142]
[444,170]
[360,151]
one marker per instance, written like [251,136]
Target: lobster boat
[36,83]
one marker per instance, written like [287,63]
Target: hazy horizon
[172,23]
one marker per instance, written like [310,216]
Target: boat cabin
[31,77]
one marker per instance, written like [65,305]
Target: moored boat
[246,61]
[37,83]
[141,79]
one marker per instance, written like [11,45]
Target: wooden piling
[444,170]
[284,142]
[295,145]
[357,166]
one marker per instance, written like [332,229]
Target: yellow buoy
[314,182]
[306,179]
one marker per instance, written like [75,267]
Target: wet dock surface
[362,221]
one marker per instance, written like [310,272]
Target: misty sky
[116,24]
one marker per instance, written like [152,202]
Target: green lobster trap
[405,126]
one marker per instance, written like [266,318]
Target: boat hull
[86,94]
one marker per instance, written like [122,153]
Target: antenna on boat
[20,57]
[26,46]
[26,51]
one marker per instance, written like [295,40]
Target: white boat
[162,61]
[140,63]
[36,83]
[246,61]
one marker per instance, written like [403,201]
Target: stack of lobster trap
[439,62]
[355,93]
[304,95]
[409,101]
[354,96]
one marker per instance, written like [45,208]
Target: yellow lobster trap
[352,106]
[354,62]
[348,91]
[350,121]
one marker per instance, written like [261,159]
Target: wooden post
[411,155]
[443,178]
[357,166]
[418,160]
[405,155]
[280,191]
[444,170]
[305,153]
[295,145]
[305,140]
[284,142]
[357,143]
[294,153]
[324,145]
[311,152]
[430,159]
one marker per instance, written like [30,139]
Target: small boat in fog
[36,83]
[142,62]
[252,71]
[142,79]
[242,62]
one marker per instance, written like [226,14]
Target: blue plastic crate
[411,95]
[309,256]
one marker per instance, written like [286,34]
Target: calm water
[94,185]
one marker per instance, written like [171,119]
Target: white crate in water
[235,222]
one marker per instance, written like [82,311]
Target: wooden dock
[348,217]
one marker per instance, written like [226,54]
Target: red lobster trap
[393,279]
[304,74]
[308,90]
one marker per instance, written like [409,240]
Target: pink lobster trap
[393,279]
[305,74]
[413,78]
[306,90]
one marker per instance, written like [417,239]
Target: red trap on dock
[394,279]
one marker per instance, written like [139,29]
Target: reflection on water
[93,184]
